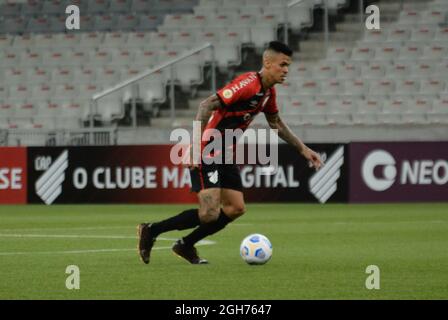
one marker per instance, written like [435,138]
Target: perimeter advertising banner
[399,172]
[13,175]
[145,174]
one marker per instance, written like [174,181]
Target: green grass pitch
[319,252]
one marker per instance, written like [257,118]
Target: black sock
[185,220]
[207,229]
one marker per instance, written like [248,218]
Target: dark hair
[280,47]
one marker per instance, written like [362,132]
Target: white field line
[94,228]
[60,236]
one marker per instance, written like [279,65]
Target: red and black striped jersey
[242,99]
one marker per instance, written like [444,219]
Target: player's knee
[209,214]
[236,211]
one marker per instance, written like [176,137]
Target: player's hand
[313,158]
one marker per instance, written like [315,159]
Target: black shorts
[208,176]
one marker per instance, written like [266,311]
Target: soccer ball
[256,249]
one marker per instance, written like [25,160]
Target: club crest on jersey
[213,176]
[227,93]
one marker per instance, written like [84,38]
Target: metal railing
[60,137]
[147,73]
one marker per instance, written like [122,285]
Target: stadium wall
[355,172]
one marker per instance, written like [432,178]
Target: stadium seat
[97,6]
[431,87]
[31,59]
[422,34]
[24,108]
[373,71]
[441,34]
[121,58]
[407,17]
[141,6]
[392,111]
[41,92]
[227,55]
[348,71]
[356,88]
[19,91]
[38,24]
[434,17]
[24,41]
[434,52]
[110,107]
[145,58]
[91,40]
[38,76]
[119,6]
[286,89]
[77,57]
[331,88]
[126,22]
[152,88]
[439,112]
[341,111]
[242,32]
[374,36]
[412,52]
[148,22]
[57,24]
[137,39]
[14,76]
[406,87]
[65,91]
[15,25]
[114,40]
[386,53]
[338,54]
[399,70]
[363,54]
[367,112]
[398,34]
[424,69]
[105,22]
[66,40]
[106,76]
[324,70]
[307,87]
[54,58]
[417,110]
[262,34]
[317,111]
[299,104]
[62,75]
[381,87]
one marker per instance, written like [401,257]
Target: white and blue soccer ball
[256,249]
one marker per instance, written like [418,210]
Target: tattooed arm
[284,132]
[206,109]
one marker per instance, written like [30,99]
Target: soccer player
[219,186]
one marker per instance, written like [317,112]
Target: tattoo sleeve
[206,108]
[284,132]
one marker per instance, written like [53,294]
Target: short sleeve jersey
[242,99]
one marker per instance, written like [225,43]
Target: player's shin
[207,229]
[185,220]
